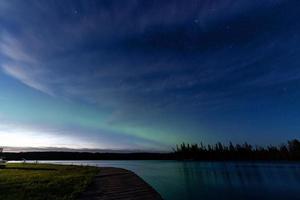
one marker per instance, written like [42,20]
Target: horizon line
[12,149]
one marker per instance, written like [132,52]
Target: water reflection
[222,180]
[214,180]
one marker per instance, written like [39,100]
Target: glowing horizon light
[24,137]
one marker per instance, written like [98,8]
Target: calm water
[214,180]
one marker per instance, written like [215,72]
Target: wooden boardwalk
[120,184]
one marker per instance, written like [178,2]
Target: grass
[44,181]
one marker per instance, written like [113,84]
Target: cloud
[190,55]
[12,48]
[156,66]
[20,64]
[20,74]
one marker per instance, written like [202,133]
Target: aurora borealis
[148,74]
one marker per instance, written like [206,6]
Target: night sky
[122,74]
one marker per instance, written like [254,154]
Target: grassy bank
[44,181]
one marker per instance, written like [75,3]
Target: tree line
[184,151]
[288,151]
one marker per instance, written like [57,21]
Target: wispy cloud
[173,57]
[11,48]
[137,65]
[21,74]
[20,64]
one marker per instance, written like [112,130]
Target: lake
[176,180]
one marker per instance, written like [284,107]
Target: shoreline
[117,183]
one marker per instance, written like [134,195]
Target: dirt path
[120,184]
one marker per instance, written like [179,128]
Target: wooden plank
[116,183]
